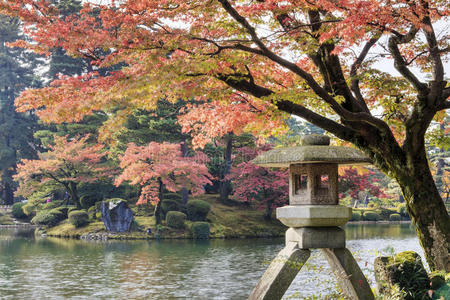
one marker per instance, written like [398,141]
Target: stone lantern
[313,216]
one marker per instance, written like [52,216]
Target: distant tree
[156,167]
[253,184]
[16,129]
[355,184]
[68,163]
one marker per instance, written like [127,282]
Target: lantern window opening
[300,183]
[322,184]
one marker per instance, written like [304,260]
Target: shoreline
[168,234]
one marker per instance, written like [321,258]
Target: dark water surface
[50,268]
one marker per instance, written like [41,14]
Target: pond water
[50,268]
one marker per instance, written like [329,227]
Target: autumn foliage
[163,164]
[265,187]
[67,163]
[352,182]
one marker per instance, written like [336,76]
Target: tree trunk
[225,185]
[8,194]
[72,190]
[158,205]
[268,211]
[184,191]
[427,211]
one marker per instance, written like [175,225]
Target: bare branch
[438,68]
[400,63]
[354,69]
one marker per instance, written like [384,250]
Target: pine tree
[16,130]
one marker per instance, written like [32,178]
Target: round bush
[48,217]
[169,205]
[371,216]
[395,217]
[200,230]
[17,211]
[71,208]
[197,210]
[402,210]
[356,216]
[173,196]
[175,219]
[98,215]
[78,218]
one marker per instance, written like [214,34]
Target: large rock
[116,215]
[402,276]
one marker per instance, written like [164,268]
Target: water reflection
[218,269]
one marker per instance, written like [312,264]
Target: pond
[51,268]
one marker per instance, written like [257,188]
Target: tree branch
[354,69]
[249,87]
[400,63]
[321,92]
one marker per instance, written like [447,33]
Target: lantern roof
[314,149]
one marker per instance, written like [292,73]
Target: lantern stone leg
[280,273]
[283,269]
[350,277]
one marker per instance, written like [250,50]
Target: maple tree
[159,166]
[352,182]
[68,163]
[261,60]
[252,183]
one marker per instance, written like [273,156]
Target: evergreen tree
[60,62]
[16,130]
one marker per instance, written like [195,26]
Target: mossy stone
[402,272]
[283,157]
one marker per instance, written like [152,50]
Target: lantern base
[314,215]
[316,237]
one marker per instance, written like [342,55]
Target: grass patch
[65,229]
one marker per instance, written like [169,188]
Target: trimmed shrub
[71,208]
[395,217]
[385,213]
[17,211]
[78,218]
[48,217]
[402,210]
[169,205]
[98,215]
[356,216]
[175,219]
[371,216]
[29,209]
[173,196]
[197,210]
[200,230]
[52,204]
